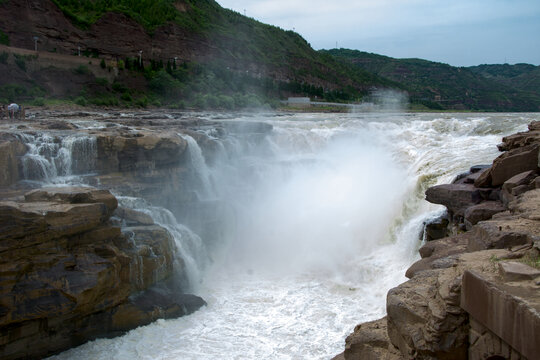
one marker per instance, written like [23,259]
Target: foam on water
[328,213]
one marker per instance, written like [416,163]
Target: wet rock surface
[475,294]
[68,275]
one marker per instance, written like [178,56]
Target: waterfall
[199,167]
[51,157]
[189,246]
[325,216]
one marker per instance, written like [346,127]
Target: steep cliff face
[74,266]
[69,273]
[114,35]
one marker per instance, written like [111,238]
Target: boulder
[516,271]
[436,229]
[456,197]
[141,151]
[481,212]
[514,162]
[151,305]
[370,341]
[424,317]
[517,185]
[439,254]
[502,233]
[521,139]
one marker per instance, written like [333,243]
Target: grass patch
[531,260]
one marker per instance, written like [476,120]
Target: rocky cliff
[70,272]
[75,266]
[474,294]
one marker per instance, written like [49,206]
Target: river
[326,215]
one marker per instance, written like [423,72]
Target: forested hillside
[437,85]
[196,54]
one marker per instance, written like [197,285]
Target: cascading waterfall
[189,246]
[51,157]
[198,163]
[328,210]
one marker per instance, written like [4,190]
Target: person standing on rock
[13,110]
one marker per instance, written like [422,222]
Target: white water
[56,159]
[327,214]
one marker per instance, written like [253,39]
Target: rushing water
[325,216]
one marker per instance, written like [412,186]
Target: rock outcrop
[473,295]
[68,274]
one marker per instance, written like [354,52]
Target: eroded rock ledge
[69,273]
[475,294]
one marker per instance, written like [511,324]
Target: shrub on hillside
[4,57]
[82,70]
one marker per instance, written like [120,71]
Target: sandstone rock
[534,126]
[10,151]
[515,271]
[67,275]
[456,197]
[153,255]
[370,341]
[516,186]
[28,224]
[514,162]
[484,179]
[481,212]
[74,195]
[424,318]
[141,151]
[502,233]
[152,305]
[438,254]
[524,178]
[521,139]
[486,345]
[510,310]
[133,217]
[440,247]
[436,229]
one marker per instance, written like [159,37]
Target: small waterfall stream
[50,159]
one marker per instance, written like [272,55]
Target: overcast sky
[457,32]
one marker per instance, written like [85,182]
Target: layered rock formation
[68,274]
[75,266]
[475,294]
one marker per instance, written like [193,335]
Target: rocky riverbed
[475,294]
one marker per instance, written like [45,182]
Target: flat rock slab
[515,271]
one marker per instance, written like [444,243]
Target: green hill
[438,85]
[194,53]
[524,77]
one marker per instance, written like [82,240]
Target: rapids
[325,215]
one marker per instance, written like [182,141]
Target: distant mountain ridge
[226,57]
[484,87]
